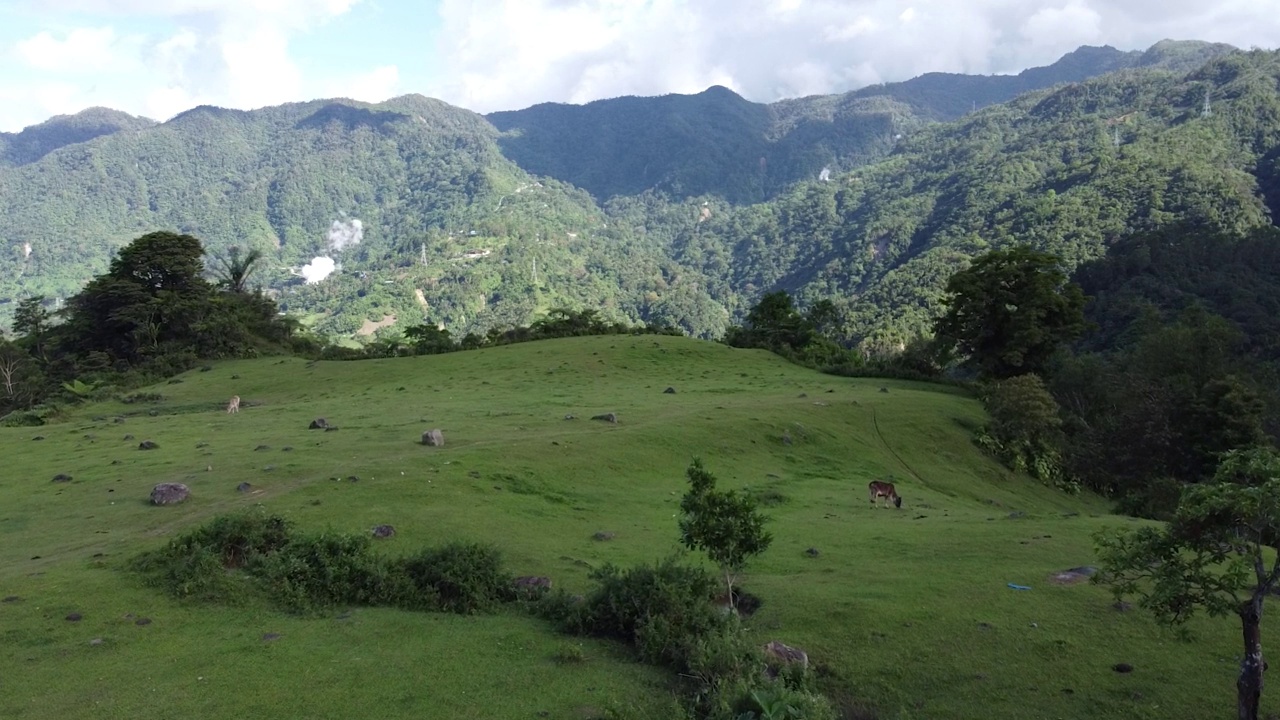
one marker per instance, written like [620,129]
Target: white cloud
[234,53]
[80,48]
[1062,29]
[374,86]
[159,57]
[507,54]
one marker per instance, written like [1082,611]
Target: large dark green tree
[1220,554]
[153,293]
[1010,311]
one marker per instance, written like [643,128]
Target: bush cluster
[236,555]
[666,612]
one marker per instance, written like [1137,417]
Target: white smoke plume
[345,233]
[318,269]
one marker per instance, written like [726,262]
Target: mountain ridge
[456,231]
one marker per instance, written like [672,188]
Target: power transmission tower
[1207,111]
[1115,140]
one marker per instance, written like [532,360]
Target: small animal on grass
[234,405]
[877,490]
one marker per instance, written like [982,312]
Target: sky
[156,58]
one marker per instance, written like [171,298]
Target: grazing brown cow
[234,405]
[877,490]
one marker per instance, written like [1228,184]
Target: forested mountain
[427,211]
[718,143]
[37,141]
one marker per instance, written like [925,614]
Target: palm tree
[235,271]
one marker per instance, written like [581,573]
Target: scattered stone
[830,390]
[169,494]
[262,447]
[803,395]
[287,448]
[383,532]
[153,413]
[318,424]
[1121,606]
[1017,515]
[147,445]
[38,437]
[74,617]
[353,478]
[11,599]
[128,437]
[235,377]
[785,653]
[202,445]
[786,438]
[268,468]
[96,641]
[607,417]
[244,487]
[115,462]
[433,438]
[117,419]
[604,535]
[532,584]
[812,552]
[269,637]
[331,428]
[1122,668]
[570,417]
[62,478]
[884,389]
[343,616]
[175,381]
[473,473]
[669,391]
[206,368]
[142,621]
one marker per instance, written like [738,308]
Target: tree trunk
[728,581]
[1249,684]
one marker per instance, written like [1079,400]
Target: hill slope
[1069,170]
[717,143]
[904,610]
[453,231]
[35,142]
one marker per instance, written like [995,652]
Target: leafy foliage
[1010,311]
[1211,557]
[726,525]
[1025,431]
[233,556]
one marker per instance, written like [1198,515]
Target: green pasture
[905,612]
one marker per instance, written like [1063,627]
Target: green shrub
[318,572]
[465,578]
[196,565]
[22,418]
[569,653]
[662,610]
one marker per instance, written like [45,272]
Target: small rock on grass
[74,617]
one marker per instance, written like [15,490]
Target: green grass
[905,610]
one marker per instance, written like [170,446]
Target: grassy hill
[906,611]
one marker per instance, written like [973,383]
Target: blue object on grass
[1019,587]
